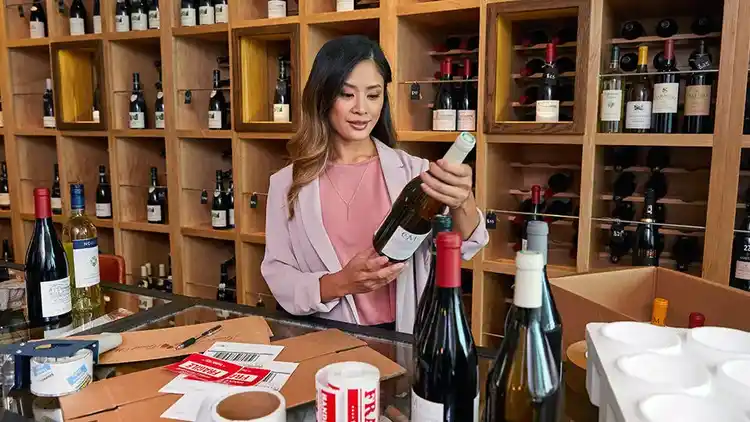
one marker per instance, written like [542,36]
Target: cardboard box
[627,295]
[136,397]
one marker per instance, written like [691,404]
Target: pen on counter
[191,341]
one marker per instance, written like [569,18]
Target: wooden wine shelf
[655,139]
[655,39]
[144,227]
[209,233]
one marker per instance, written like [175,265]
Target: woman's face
[358,105]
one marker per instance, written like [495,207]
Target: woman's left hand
[447,182]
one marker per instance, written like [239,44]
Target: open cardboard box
[136,397]
[628,295]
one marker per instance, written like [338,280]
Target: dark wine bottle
[219,209]
[558,207]
[217,105]
[138,16]
[565,35]
[56,195]
[624,157]
[48,298]
[137,111]
[646,235]
[159,116]
[466,118]
[524,381]
[4,190]
[685,252]
[155,204]
[629,62]
[97,17]
[230,202]
[281,98]
[122,16]
[658,158]
[444,110]
[445,385]
[624,210]
[658,182]
[619,242]
[48,105]
[666,95]
[739,274]
[666,28]
[702,25]
[37,20]
[534,37]
[632,30]
[638,99]
[103,195]
[221,292]
[77,18]
[557,183]
[529,95]
[565,64]
[532,67]
[408,222]
[698,94]
[548,103]
[440,223]
[7,251]
[624,186]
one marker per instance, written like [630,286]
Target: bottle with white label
[82,250]
[103,195]
[138,16]
[154,17]
[230,201]
[548,101]
[408,222]
[144,302]
[97,17]
[156,202]
[344,5]
[217,105]
[48,298]
[159,104]
[77,18]
[610,103]
[55,195]
[276,9]
[48,105]
[221,8]
[206,12]
[281,98]
[137,112]
[188,13]
[639,95]
[219,209]
[122,16]
[444,109]
[4,191]
[666,94]
[739,275]
[37,20]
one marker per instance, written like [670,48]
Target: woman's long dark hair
[310,148]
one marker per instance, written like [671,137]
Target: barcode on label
[237,356]
[270,377]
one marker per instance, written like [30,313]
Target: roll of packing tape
[252,404]
[55,377]
[47,409]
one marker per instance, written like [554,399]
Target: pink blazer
[299,252]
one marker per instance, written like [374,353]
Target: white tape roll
[47,409]
[348,391]
[251,404]
[55,377]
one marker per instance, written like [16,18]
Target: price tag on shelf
[204,197]
[61,6]
[491,220]
[188,96]
[415,92]
[20,11]
[254,200]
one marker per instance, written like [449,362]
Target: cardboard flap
[319,343]
[146,410]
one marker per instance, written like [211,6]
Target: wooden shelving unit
[511,154]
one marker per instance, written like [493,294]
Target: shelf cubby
[139,247]
[37,156]
[59,21]
[141,56]
[78,71]
[256,291]
[17,29]
[80,158]
[268,157]
[29,68]
[201,259]
[257,50]
[199,160]
[322,32]
[253,10]
[135,157]
[106,240]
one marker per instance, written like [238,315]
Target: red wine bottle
[48,299]
[532,66]
[408,222]
[466,102]
[632,30]
[698,94]
[444,111]
[548,103]
[445,386]
[524,381]
[666,95]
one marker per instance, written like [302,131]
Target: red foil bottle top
[448,67]
[551,53]
[467,68]
[42,207]
[696,319]
[448,268]
[536,194]
[669,49]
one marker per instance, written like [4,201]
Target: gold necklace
[348,203]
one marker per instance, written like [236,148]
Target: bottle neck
[154,182]
[77,212]
[102,178]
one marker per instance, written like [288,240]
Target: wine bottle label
[524,245]
[444,120]
[187,17]
[103,210]
[55,296]
[276,9]
[610,105]
[548,111]
[281,113]
[85,263]
[4,199]
[467,120]
[145,302]
[122,23]
[214,120]
[49,121]
[97,24]
[56,203]
[638,115]
[742,270]
[206,15]
[231,216]
[137,120]
[402,244]
[424,410]
[698,100]
[344,5]
[218,219]
[159,119]
[154,213]
[139,21]
[222,13]
[665,97]
[95,116]
[77,26]
[154,20]
[36,29]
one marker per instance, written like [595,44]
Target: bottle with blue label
[82,251]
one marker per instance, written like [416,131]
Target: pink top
[354,200]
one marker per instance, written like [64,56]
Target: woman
[324,208]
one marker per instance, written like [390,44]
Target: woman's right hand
[366,272]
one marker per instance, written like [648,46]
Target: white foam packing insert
[638,372]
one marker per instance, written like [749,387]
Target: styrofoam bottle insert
[638,372]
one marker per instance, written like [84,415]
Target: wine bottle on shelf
[624,186]
[646,235]
[548,103]
[533,66]
[444,111]
[276,9]
[523,382]
[48,104]
[739,274]
[666,95]
[96,106]
[143,281]
[56,196]
[638,105]
[566,34]
[156,203]
[221,8]
[698,94]
[565,64]
[154,17]
[629,62]
[445,385]
[221,291]
[188,13]
[103,195]
[408,221]
[37,20]
[160,280]
[440,223]
[4,191]
[658,158]
[610,111]
[666,28]
[48,296]
[657,182]
[159,104]
[7,251]
[97,17]
[534,37]
[230,202]
[138,16]
[82,250]
[281,99]
[684,252]
[558,207]
[659,311]
[122,16]
[77,18]
[219,209]
[217,105]
[466,104]
[632,30]
[696,319]
[702,25]
[137,111]
[206,12]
